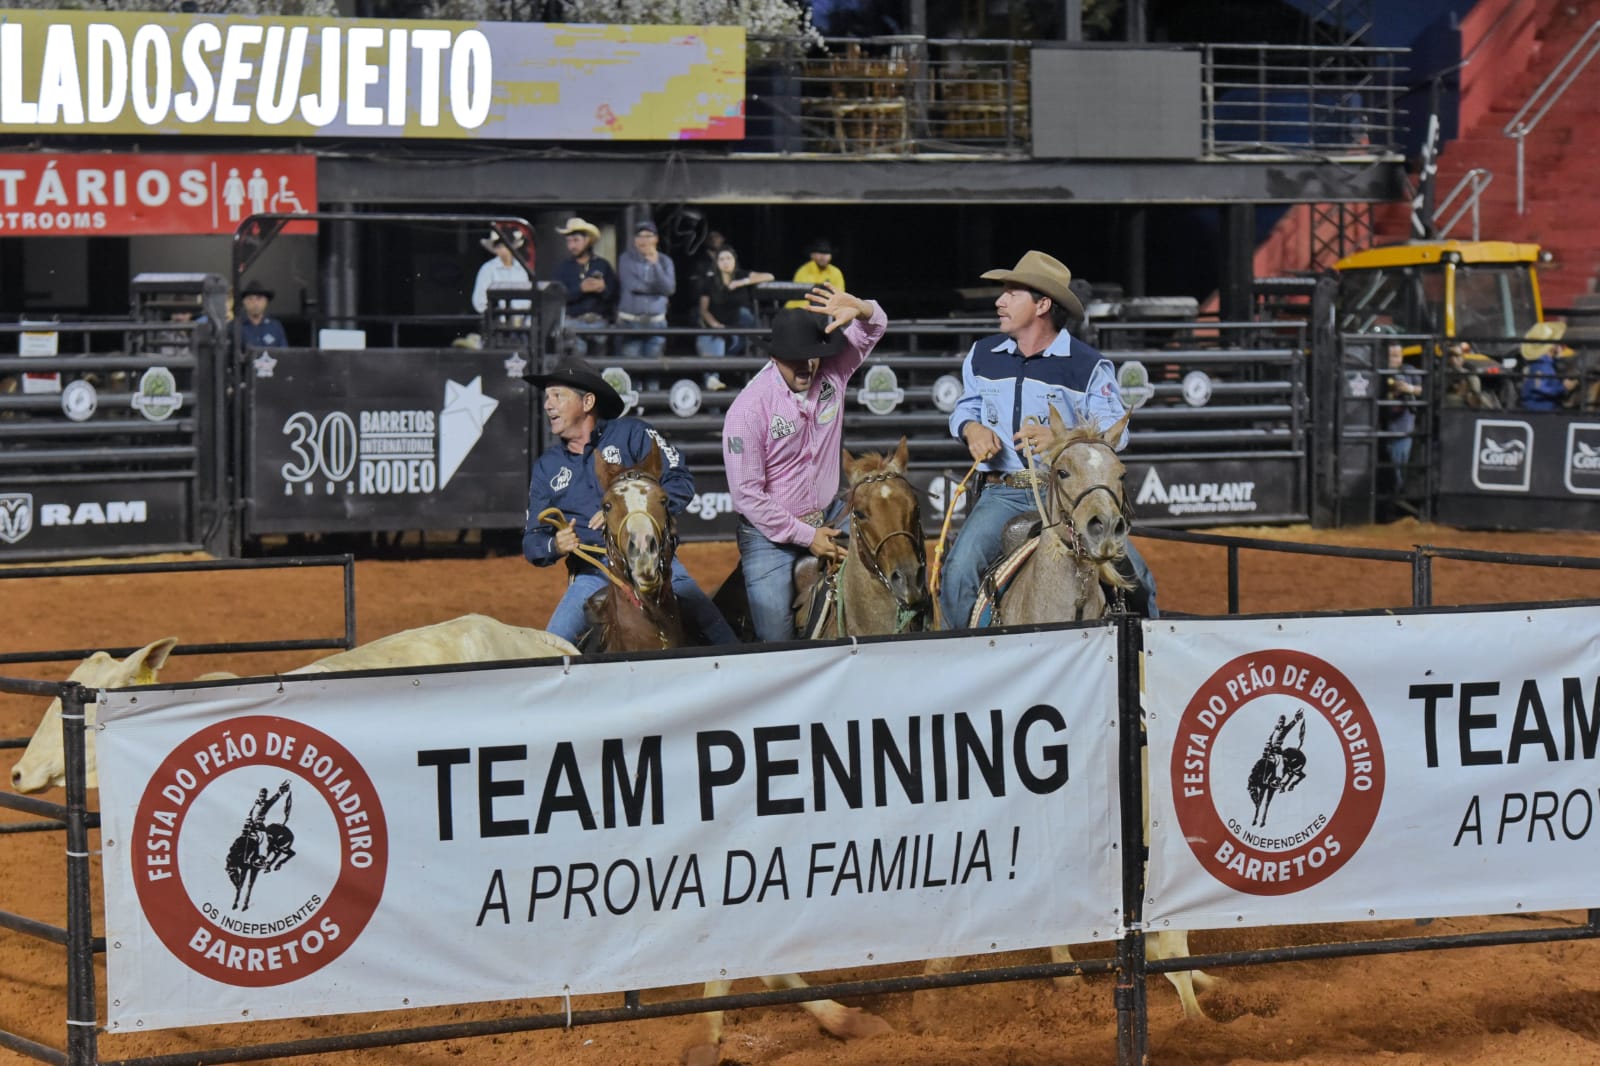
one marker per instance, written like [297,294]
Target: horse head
[886,525]
[638,526]
[1089,509]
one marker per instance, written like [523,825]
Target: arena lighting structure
[119,72]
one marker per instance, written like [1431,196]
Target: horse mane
[869,465]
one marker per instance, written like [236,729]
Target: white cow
[471,638]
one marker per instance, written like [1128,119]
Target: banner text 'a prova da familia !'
[74,72]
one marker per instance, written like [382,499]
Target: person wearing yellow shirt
[818,270]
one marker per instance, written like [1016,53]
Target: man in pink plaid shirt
[781,441]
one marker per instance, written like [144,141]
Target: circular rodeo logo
[259,851]
[1277,772]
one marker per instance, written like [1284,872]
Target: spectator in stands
[585,415]
[1403,386]
[1544,386]
[1463,384]
[705,263]
[727,302]
[780,447]
[818,270]
[591,284]
[1012,381]
[257,330]
[647,278]
[504,270]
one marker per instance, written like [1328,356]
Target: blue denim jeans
[977,548]
[1399,456]
[650,346]
[595,347]
[714,344]
[768,570]
[698,611]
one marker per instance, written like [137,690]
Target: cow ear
[141,667]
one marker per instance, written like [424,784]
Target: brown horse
[882,585]
[638,610]
[1085,516]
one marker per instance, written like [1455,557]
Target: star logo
[461,422]
[515,365]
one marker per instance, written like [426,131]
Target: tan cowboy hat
[1042,273]
[578,225]
[1542,332]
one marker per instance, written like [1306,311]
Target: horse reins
[904,615]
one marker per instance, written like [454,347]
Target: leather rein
[903,613]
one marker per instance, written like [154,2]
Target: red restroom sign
[73,195]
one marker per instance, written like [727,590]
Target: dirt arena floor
[1536,1005]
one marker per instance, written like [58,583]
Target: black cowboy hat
[255,288]
[799,335]
[574,373]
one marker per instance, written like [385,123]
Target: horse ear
[605,473]
[849,464]
[901,458]
[1058,425]
[1114,434]
[652,463]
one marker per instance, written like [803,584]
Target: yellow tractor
[1485,292]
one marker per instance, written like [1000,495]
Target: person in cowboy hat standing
[1544,387]
[1033,360]
[590,282]
[257,330]
[780,447]
[585,419]
[504,270]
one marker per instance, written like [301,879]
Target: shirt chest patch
[781,427]
[827,403]
[562,479]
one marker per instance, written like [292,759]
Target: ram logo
[16,516]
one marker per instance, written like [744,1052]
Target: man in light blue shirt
[647,277]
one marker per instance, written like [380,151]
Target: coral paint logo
[1278,772]
[287,891]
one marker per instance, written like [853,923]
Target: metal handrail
[1518,129]
[1480,178]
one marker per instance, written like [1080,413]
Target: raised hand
[840,307]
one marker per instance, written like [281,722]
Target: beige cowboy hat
[1042,273]
[578,225]
[1538,336]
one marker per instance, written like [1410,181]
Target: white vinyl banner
[1340,769]
[327,845]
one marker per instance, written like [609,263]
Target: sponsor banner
[149,73]
[66,195]
[328,845]
[386,440]
[711,514]
[1519,454]
[1297,764]
[1214,491]
[71,519]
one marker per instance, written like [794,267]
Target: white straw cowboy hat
[493,241]
[578,225]
[1537,337]
[1042,273]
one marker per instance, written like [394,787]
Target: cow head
[44,763]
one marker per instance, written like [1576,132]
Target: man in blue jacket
[585,418]
[1011,381]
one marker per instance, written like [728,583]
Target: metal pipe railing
[1520,125]
[1479,179]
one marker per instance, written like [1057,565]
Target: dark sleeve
[538,539]
[675,476]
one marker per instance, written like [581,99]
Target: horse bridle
[869,559]
[1073,542]
[614,554]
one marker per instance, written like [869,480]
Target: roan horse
[1085,517]
[882,589]
[637,611]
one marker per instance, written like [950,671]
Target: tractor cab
[1485,292]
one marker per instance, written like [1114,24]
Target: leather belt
[814,519]
[1016,479]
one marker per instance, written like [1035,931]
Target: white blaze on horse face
[1092,495]
[643,536]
